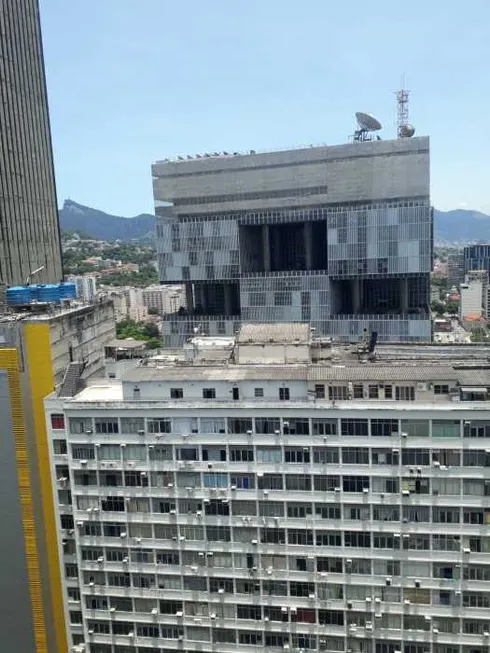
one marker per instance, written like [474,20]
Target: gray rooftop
[281,333]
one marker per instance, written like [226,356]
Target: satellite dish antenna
[367,124]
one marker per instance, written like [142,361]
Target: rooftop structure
[333,504]
[339,237]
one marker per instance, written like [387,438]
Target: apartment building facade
[299,505]
[337,236]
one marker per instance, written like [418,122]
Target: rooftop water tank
[68,290]
[18,295]
[48,293]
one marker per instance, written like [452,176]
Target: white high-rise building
[86,286]
[280,492]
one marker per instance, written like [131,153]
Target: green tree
[150,330]
[437,307]
[153,343]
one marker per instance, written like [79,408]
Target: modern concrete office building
[39,351]
[29,234]
[340,237]
[281,493]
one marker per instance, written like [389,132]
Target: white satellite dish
[367,122]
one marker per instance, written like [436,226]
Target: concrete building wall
[30,236]
[81,335]
[343,173]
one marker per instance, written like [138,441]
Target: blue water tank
[48,293]
[33,290]
[18,295]
[68,290]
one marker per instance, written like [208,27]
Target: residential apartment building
[340,237]
[86,285]
[164,299]
[280,492]
[30,237]
[39,351]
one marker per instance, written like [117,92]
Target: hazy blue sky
[133,81]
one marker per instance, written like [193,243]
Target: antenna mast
[402,113]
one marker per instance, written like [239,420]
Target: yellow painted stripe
[41,383]
[9,361]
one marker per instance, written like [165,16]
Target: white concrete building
[335,503]
[164,299]
[471,302]
[86,286]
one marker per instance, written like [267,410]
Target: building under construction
[340,237]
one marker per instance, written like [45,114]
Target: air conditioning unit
[154,611]
[337,489]
[406,493]
[249,432]
[266,618]
[233,487]
[123,445]
[179,614]
[199,513]
[210,554]
[100,559]
[466,550]
[266,493]
[311,596]
[221,590]
[131,634]
[141,431]
[365,490]
[89,431]
[90,632]
[377,599]
[435,631]
[255,541]
[80,523]
[125,560]
[293,609]
[277,432]
[83,462]
[91,584]
[123,534]
[436,463]
[173,512]
[170,484]
[112,610]
[406,602]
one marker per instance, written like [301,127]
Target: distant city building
[38,351]
[86,286]
[339,237]
[30,234]
[455,269]
[164,299]
[476,257]
[471,301]
[128,302]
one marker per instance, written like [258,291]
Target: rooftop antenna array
[366,125]
[404,128]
